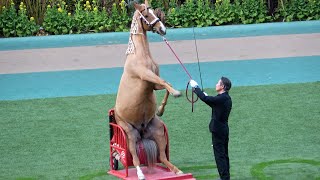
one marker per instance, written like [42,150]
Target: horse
[135,108]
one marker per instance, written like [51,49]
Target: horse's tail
[163,104]
[150,151]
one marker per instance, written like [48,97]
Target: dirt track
[92,57]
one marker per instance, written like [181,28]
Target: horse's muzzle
[161,29]
[162,33]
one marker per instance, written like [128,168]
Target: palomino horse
[135,108]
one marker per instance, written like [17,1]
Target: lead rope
[192,101]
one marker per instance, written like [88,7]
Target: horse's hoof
[141,176]
[177,94]
[179,172]
[160,111]
[159,114]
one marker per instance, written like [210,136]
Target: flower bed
[56,17]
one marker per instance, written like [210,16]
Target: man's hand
[193,83]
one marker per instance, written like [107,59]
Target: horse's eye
[146,16]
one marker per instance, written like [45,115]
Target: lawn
[274,134]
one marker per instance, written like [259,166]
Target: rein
[192,101]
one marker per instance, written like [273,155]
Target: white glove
[193,83]
[205,93]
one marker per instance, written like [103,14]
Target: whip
[192,101]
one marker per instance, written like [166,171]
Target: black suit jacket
[221,107]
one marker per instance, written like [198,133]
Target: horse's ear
[146,3]
[137,6]
[160,14]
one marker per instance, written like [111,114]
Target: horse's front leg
[147,75]
[132,137]
[163,104]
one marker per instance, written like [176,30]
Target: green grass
[274,134]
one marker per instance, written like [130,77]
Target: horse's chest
[153,67]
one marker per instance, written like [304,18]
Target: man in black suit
[221,105]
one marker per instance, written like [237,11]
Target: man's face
[219,86]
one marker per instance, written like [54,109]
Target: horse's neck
[138,41]
[142,45]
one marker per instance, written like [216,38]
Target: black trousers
[220,149]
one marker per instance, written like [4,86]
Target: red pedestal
[118,147]
[158,173]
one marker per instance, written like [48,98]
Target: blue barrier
[212,32]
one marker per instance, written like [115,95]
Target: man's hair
[226,83]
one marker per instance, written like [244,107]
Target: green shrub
[191,14]
[14,23]
[224,12]
[252,11]
[57,20]
[157,4]
[204,14]
[187,13]
[173,18]
[36,9]
[101,22]
[163,4]
[8,17]
[86,18]
[4,4]
[120,18]
[298,10]
[92,16]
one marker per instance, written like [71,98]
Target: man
[221,107]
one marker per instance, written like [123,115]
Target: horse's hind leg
[132,135]
[163,104]
[157,130]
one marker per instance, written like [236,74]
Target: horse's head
[152,20]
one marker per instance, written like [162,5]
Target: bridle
[134,26]
[143,18]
